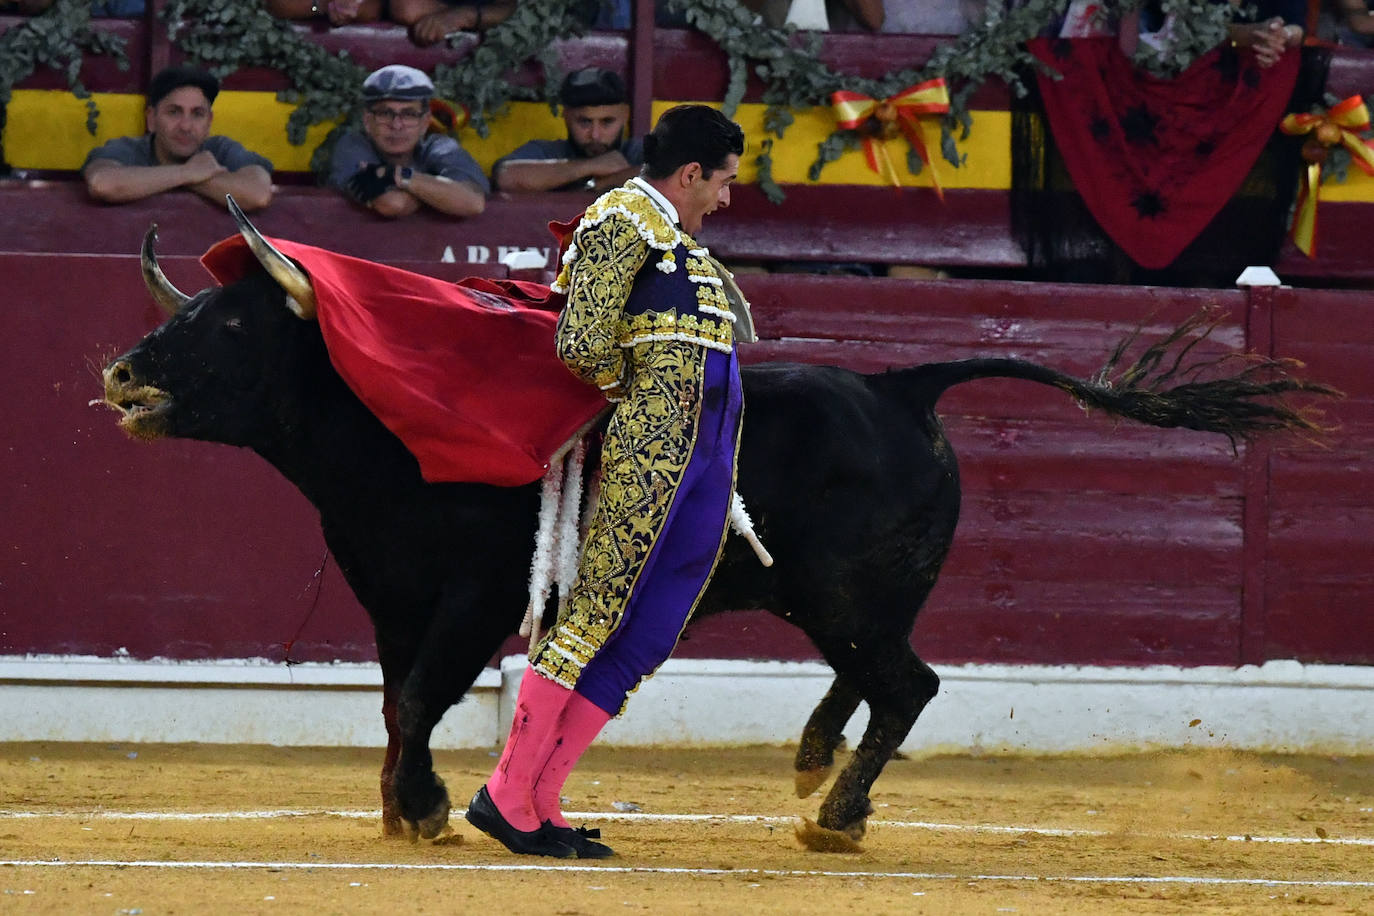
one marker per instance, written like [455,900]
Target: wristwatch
[403,176]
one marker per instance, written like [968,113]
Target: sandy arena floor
[153,829]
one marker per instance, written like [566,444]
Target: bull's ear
[168,297]
[300,293]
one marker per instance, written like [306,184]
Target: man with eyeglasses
[596,156]
[394,166]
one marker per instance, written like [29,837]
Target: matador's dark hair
[691,133]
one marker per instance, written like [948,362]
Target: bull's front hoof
[816,838]
[808,781]
[434,823]
[393,826]
[426,815]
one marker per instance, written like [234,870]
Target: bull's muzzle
[142,408]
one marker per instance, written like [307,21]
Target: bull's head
[207,371]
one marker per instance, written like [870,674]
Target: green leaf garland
[229,35]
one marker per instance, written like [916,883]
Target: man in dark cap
[393,166]
[596,156]
[178,150]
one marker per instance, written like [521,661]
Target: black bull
[849,478]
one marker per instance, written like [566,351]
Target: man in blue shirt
[178,150]
[393,166]
[596,156]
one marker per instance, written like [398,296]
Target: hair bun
[650,146]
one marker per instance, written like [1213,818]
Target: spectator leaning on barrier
[393,166]
[431,21]
[596,155]
[178,150]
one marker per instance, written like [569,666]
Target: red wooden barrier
[1080,542]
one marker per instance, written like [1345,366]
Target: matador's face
[706,193]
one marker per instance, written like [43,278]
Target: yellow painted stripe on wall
[1357,188]
[47,130]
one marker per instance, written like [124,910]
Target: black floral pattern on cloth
[1139,124]
[1148,204]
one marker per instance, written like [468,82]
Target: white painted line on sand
[646,817]
[660,870]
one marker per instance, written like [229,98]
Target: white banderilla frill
[562,526]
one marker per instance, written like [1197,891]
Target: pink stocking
[582,721]
[538,708]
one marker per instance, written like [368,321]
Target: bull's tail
[1236,394]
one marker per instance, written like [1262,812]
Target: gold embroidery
[711,297]
[591,325]
[707,331]
[659,357]
[701,271]
[647,447]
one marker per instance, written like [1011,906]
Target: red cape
[1156,159]
[465,374]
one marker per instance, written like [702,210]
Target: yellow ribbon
[901,112]
[1341,124]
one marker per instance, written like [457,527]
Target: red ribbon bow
[447,117]
[1341,124]
[899,113]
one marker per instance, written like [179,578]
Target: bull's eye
[234,324]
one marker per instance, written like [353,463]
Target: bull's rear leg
[897,686]
[822,735]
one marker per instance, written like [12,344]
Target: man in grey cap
[596,156]
[393,165]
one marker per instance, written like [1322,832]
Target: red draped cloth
[465,374]
[1155,159]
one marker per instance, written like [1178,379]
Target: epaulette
[636,207]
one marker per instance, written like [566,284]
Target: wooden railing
[1081,541]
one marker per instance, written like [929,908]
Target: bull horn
[300,293]
[168,297]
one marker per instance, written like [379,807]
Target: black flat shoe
[581,839]
[483,814]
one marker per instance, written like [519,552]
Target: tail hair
[1235,394]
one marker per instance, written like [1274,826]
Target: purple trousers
[684,556]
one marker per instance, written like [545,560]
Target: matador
[652,320]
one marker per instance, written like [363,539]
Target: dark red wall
[1081,542]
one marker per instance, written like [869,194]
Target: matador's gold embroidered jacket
[645,303]
[616,301]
